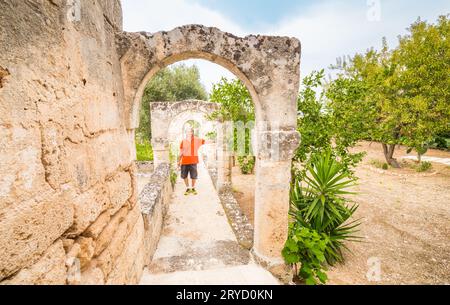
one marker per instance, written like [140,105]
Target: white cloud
[154,16]
[327,29]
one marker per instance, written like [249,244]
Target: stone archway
[269,67]
[167,120]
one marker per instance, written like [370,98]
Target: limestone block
[86,252]
[53,153]
[73,265]
[107,258]
[50,269]
[68,244]
[113,13]
[114,249]
[108,152]
[88,207]
[78,165]
[123,271]
[101,115]
[29,228]
[92,276]
[23,174]
[120,190]
[97,227]
[107,234]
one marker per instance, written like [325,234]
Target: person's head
[190,132]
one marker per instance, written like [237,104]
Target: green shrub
[385,166]
[173,167]
[144,151]
[423,167]
[307,247]
[246,164]
[317,204]
[173,177]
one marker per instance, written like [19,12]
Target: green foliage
[246,164]
[307,247]
[402,95]
[321,127]
[380,165]
[422,81]
[171,84]
[236,106]
[441,142]
[235,102]
[173,177]
[423,167]
[212,135]
[173,160]
[317,204]
[144,151]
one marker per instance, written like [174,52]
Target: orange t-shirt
[189,150]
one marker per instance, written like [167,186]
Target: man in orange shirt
[189,160]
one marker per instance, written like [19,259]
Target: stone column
[209,154]
[224,167]
[160,152]
[273,174]
[223,155]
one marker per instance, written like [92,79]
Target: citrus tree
[402,95]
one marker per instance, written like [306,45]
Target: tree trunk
[389,155]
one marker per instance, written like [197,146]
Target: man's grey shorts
[189,170]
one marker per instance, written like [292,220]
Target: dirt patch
[244,192]
[406,223]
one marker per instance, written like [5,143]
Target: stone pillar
[209,154]
[223,154]
[224,167]
[273,175]
[161,152]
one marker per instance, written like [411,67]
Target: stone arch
[167,120]
[269,66]
[176,128]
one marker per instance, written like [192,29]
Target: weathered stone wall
[68,199]
[70,88]
[154,201]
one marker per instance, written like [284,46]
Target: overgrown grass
[379,164]
[144,151]
[423,167]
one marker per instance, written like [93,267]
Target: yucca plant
[317,203]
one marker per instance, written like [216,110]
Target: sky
[327,29]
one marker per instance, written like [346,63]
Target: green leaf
[322,277]
[311,281]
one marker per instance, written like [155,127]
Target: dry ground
[406,222]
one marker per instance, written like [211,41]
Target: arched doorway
[168,120]
[269,68]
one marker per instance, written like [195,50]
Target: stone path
[445,161]
[198,247]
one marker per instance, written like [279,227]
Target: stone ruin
[71,83]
